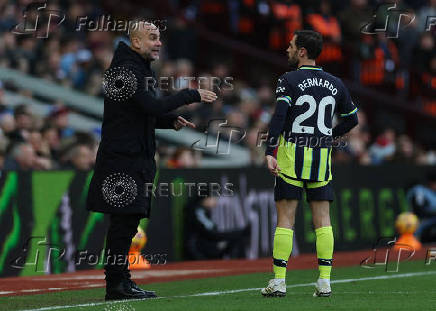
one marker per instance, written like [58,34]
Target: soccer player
[298,153]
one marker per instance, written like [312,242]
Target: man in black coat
[125,159]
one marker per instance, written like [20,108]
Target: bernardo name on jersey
[300,132]
[317,82]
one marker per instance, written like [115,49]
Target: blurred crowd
[29,141]
[77,59]
[388,45]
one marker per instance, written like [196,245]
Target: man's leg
[286,194]
[324,237]
[283,236]
[122,229]
[319,195]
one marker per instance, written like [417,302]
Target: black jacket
[125,158]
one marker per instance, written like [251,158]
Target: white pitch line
[381,277]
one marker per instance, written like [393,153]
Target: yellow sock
[324,251]
[281,251]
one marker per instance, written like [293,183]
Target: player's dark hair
[311,41]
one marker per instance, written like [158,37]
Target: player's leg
[319,200]
[283,236]
[286,196]
[122,229]
[324,237]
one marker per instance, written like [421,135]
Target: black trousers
[122,228]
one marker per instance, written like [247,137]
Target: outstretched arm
[160,106]
[166,121]
[173,121]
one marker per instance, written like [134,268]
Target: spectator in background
[359,138]
[425,71]
[80,157]
[41,146]
[23,124]
[424,52]
[328,26]
[83,66]
[380,58]
[58,118]
[287,18]
[7,124]
[181,40]
[8,19]
[257,150]
[68,62]
[184,70]
[202,238]
[25,55]
[2,98]
[352,19]
[182,158]
[51,136]
[404,150]
[22,157]
[2,160]
[383,148]
[423,201]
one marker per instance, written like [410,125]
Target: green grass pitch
[413,287]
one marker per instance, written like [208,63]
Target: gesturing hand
[272,165]
[207,96]
[182,122]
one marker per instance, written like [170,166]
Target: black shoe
[137,288]
[124,290]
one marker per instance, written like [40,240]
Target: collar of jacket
[124,51]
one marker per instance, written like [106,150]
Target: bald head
[145,39]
